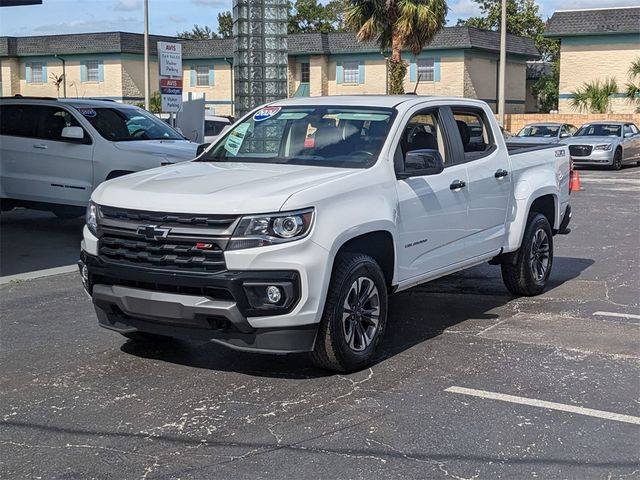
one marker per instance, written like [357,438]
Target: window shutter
[192,77]
[339,73]
[101,71]
[413,71]
[44,73]
[436,69]
[27,72]
[211,76]
[361,73]
[83,72]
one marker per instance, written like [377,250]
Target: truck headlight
[92,218]
[262,230]
[605,147]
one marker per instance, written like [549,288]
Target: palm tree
[594,97]
[633,87]
[397,25]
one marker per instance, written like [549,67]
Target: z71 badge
[560,153]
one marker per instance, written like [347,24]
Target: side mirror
[201,148]
[73,133]
[628,134]
[420,163]
[565,135]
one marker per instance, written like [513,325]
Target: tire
[348,341]
[617,160]
[529,274]
[144,337]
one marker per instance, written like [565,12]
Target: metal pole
[233,100]
[503,63]
[146,56]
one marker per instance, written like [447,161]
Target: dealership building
[460,61]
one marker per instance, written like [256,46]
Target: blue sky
[166,17]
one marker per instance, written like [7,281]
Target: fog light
[274,295]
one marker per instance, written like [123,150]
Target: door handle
[457,185]
[40,147]
[501,173]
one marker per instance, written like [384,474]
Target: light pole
[64,75]
[503,63]
[146,56]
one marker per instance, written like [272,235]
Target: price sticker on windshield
[265,113]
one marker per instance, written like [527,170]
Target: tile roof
[597,21]
[299,44]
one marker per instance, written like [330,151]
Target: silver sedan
[611,144]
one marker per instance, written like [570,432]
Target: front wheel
[355,315]
[529,273]
[617,160]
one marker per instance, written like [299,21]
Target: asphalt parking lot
[471,383]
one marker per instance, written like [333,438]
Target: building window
[425,69]
[305,74]
[351,72]
[37,72]
[93,71]
[202,75]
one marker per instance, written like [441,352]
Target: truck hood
[214,188]
[173,150]
[590,140]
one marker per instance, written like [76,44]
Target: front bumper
[208,307]
[597,157]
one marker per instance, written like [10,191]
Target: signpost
[170,62]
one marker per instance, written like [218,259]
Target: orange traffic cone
[574,183]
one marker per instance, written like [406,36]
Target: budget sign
[170,59]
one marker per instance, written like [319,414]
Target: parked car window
[627,129]
[540,131]
[599,130]
[18,120]
[212,127]
[572,129]
[125,124]
[51,122]
[475,133]
[322,136]
[634,129]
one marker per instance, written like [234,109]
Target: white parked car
[288,234]
[214,126]
[611,144]
[53,153]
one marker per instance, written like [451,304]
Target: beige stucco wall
[586,62]
[10,68]
[481,80]
[451,79]
[319,75]
[220,91]
[132,78]
[374,79]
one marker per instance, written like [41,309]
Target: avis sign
[170,63]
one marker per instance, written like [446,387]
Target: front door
[432,212]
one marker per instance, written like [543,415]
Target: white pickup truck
[288,233]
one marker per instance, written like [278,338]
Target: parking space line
[614,314]
[532,402]
[39,273]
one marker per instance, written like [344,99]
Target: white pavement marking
[39,273]
[614,314]
[544,404]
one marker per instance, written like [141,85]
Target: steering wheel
[138,133]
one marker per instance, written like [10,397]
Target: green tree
[307,16]
[198,33]
[594,97]
[545,89]
[155,103]
[397,25]
[523,18]
[225,24]
[633,86]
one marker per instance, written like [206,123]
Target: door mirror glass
[565,135]
[628,134]
[73,133]
[420,163]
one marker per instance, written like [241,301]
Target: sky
[167,17]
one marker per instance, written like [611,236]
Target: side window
[475,132]
[634,129]
[211,127]
[422,132]
[18,120]
[51,122]
[627,129]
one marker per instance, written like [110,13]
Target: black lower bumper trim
[564,230]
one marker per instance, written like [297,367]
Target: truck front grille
[580,150]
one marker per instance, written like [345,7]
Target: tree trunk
[397,67]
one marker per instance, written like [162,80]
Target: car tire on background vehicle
[355,315]
[529,274]
[617,160]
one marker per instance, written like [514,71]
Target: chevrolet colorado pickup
[289,232]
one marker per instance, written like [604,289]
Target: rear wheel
[354,317]
[617,160]
[529,274]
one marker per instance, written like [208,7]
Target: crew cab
[54,152]
[289,233]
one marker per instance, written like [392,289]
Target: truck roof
[388,101]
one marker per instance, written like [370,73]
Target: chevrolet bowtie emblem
[152,232]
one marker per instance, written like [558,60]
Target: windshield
[540,131]
[599,130]
[324,136]
[124,124]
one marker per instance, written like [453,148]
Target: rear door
[432,214]
[489,186]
